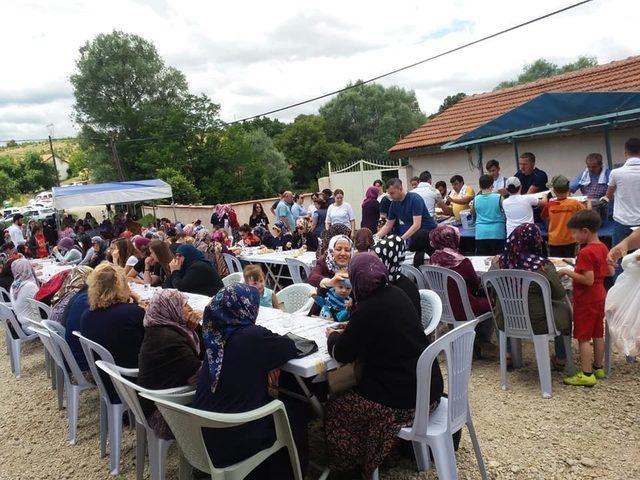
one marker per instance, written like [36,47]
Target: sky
[251,57]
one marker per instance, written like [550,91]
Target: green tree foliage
[450,101]
[542,68]
[307,149]
[184,191]
[268,157]
[8,186]
[11,144]
[272,127]
[372,118]
[28,175]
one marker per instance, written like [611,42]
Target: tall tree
[268,157]
[272,127]
[371,117]
[542,68]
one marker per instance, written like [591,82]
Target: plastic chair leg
[516,352]
[476,447]
[444,456]
[53,368]
[15,357]
[570,368]
[421,453]
[114,414]
[607,350]
[374,475]
[47,364]
[157,455]
[502,339]
[141,447]
[103,429]
[73,398]
[60,386]
[541,346]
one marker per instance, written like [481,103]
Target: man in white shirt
[499,180]
[15,230]
[432,197]
[518,209]
[624,184]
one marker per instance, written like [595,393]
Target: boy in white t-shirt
[518,209]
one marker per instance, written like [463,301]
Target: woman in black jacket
[192,273]
[385,339]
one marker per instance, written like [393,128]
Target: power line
[370,80]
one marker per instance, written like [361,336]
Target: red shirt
[591,258]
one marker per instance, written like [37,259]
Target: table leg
[311,398]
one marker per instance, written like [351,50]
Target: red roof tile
[476,110]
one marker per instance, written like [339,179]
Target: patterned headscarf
[232,309]
[188,229]
[102,245]
[524,250]
[445,239]
[74,282]
[22,272]
[366,274]
[391,250]
[166,308]
[331,261]
[220,236]
[327,235]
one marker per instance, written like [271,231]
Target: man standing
[532,179]
[594,180]
[499,180]
[460,197]
[378,185]
[277,202]
[15,230]
[624,184]
[283,211]
[407,210]
[432,197]
[414,182]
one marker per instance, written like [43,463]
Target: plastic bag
[622,307]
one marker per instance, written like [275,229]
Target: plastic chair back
[187,423]
[438,280]
[413,274]
[49,344]
[66,361]
[232,278]
[8,315]
[431,310]
[4,295]
[298,270]
[296,298]
[457,346]
[512,291]
[41,311]
[233,264]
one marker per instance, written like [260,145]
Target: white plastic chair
[512,290]
[431,310]
[232,278]
[68,365]
[4,295]
[434,430]
[39,312]
[298,270]
[187,423]
[413,274]
[14,345]
[110,413]
[233,264]
[146,438]
[296,298]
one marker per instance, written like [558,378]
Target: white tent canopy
[110,193]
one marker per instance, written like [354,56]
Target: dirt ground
[578,434]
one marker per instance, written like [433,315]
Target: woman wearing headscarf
[170,351]
[192,273]
[99,254]
[303,236]
[67,251]
[23,289]
[239,358]
[363,240]
[281,236]
[265,237]
[331,269]
[328,234]
[75,281]
[525,250]
[391,250]
[385,338]
[370,209]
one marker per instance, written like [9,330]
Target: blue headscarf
[191,254]
[232,309]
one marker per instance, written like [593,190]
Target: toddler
[336,303]
[254,276]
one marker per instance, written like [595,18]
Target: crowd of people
[232,362]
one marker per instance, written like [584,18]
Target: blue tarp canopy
[110,193]
[552,112]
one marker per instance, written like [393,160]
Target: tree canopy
[542,68]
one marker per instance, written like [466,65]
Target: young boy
[336,303]
[588,295]
[254,276]
[557,212]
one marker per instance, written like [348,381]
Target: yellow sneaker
[599,373]
[581,380]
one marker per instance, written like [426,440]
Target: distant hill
[63,148]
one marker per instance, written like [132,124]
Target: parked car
[39,213]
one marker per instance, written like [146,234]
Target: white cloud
[256,56]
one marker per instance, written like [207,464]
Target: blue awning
[550,112]
[110,193]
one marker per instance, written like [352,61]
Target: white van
[44,198]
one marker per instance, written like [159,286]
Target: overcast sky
[252,56]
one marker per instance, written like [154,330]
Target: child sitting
[336,304]
[254,276]
[249,239]
[588,295]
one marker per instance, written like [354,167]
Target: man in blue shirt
[532,179]
[283,211]
[407,210]
[593,181]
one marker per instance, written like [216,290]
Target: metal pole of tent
[479,149]
[155,219]
[173,205]
[607,145]
[515,152]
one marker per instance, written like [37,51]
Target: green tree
[450,101]
[268,157]
[272,127]
[11,144]
[306,148]
[184,191]
[7,186]
[542,68]
[372,118]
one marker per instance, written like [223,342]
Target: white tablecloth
[277,258]
[47,268]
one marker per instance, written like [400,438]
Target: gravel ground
[578,434]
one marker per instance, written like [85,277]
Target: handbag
[304,346]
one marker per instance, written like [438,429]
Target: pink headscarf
[370,195]
[446,241]
[166,309]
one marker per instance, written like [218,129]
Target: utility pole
[53,155]
[116,158]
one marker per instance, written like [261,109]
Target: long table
[276,263]
[47,268]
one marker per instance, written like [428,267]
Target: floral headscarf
[445,239]
[366,274]
[232,309]
[74,282]
[524,250]
[327,235]
[331,261]
[188,229]
[166,308]
[22,272]
[391,251]
[220,236]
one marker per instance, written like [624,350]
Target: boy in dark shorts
[588,295]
